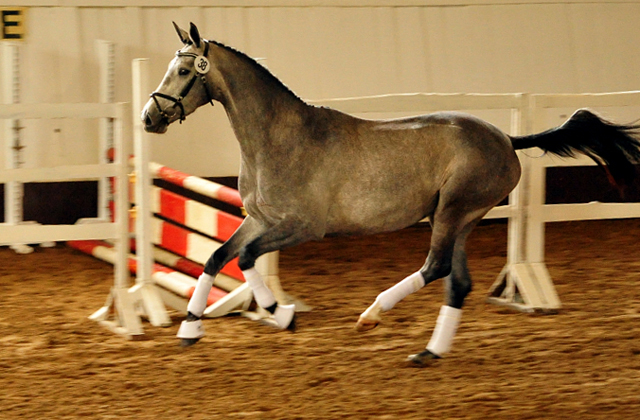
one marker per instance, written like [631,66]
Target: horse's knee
[215,262]
[248,256]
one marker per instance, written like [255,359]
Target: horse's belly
[379,214]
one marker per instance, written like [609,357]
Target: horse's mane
[264,72]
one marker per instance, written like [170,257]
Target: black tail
[614,147]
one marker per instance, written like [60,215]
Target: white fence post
[524,283]
[13,191]
[515,246]
[105,51]
[119,302]
[149,296]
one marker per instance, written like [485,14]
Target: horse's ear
[184,36]
[195,35]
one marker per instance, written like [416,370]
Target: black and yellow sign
[12,23]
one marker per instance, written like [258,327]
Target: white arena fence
[524,283]
[34,233]
[101,229]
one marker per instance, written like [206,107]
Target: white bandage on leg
[284,315]
[263,296]
[445,330]
[198,302]
[395,294]
[191,330]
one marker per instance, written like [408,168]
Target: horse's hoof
[190,332]
[422,359]
[188,342]
[365,324]
[292,325]
[284,315]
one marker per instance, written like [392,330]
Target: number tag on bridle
[202,64]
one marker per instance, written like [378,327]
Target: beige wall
[322,50]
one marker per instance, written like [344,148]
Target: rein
[201,64]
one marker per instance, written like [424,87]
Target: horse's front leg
[250,241]
[191,329]
[286,233]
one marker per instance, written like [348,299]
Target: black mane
[264,72]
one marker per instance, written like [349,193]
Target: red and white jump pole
[172,280]
[193,183]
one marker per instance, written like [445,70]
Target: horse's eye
[183,72]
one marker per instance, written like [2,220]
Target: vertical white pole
[121,197]
[105,53]
[13,191]
[151,300]
[537,181]
[128,320]
[143,178]
[516,221]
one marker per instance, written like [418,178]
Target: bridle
[201,64]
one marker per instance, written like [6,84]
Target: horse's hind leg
[457,287]
[446,259]
[437,265]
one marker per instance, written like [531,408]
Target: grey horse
[307,172]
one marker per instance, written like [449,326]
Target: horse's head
[184,87]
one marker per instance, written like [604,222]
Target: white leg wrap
[191,329]
[284,315]
[263,296]
[198,302]
[445,330]
[395,294]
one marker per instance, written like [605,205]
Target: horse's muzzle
[153,123]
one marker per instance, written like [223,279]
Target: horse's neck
[258,107]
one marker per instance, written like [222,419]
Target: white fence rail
[29,233]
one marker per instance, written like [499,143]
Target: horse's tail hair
[615,147]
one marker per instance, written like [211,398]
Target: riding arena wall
[320,49]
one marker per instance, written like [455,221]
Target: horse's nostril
[147,121]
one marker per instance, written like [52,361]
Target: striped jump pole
[190,268]
[193,214]
[170,280]
[199,185]
[187,228]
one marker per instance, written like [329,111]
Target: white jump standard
[307,172]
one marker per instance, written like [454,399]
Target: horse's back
[391,174]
